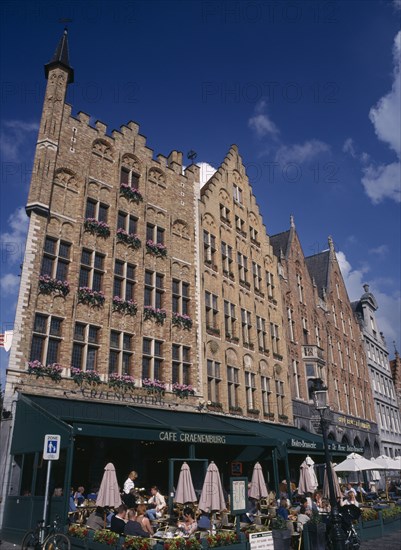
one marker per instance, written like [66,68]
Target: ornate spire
[61,58]
[331,244]
[292,221]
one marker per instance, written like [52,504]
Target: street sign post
[51,451]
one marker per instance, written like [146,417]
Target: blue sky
[308,90]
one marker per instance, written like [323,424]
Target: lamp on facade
[320,399]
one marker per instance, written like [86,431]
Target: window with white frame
[333,310]
[266,395]
[291,324]
[305,330]
[155,233]
[232,386]
[300,288]
[209,247]
[242,262]
[85,346]
[250,390]
[181,364]
[46,339]
[280,397]
[129,177]
[342,321]
[124,280]
[181,298]
[224,213]
[350,328]
[237,193]
[152,359]
[373,326]
[246,326]
[340,355]
[240,225]
[275,338]
[296,378]
[230,320]
[128,222]
[154,289]
[227,258]
[96,210]
[56,258]
[317,335]
[213,381]
[270,283]
[254,235]
[120,357]
[257,276]
[337,393]
[261,333]
[346,397]
[212,312]
[92,270]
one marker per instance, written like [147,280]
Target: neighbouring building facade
[395,366]
[159,322]
[384,391]
[324,341]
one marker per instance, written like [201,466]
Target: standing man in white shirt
[129,482]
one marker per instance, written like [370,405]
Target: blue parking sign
[51,449]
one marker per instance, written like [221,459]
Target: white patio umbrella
[386,463]
[109,492]
[185,488]
[337,489]
[356,463]
[258,487]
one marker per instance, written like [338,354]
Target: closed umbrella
[185,489]
[337,489]
[109,492]
[307,478]
[212,496]
[258,487]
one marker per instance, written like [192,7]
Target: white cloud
[261,123]
[385,115]
[13,241]
[388,314]
[9,283]
[13,138]
[382,182]
[397,4]
[299,153]
[206,172]
[381,250]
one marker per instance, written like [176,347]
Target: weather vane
[191,155]
[65,20]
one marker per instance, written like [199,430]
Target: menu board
[239,495]
[261,541]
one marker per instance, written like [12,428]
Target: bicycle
[52,537]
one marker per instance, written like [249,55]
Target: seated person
[117,523]
[189,524]
[349,489]
[351,499]
[92,495]
[157,502]
[282,510]
[142,519]
[96,520]
[79,496]
[204,523]
[303,517]
[133,527]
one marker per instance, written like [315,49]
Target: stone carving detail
[65,178]
[248,363]
[209,221]
[213,346]
[103,149]
[236,176]
[180,228]
[132,162]
[224,196]
[157,175]
[231,357]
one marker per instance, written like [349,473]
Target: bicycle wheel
[30,541]
[57,541]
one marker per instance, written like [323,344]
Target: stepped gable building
[115,227]
[242,333]
[324,341]
[384,390]
[395,366]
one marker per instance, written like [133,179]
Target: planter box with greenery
[182,320]
[281,534]
[95,227]
[183,391]
[130,193]
[47,285]
[81,377]
[90,297]
[157,249]
[235,410]
[213,331]
[123,382]
[131,239]
[127,307]
[40,370]
[154,313]
[154,386]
